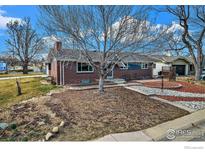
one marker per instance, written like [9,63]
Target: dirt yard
[89,115]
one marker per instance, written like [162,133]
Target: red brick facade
[71,76]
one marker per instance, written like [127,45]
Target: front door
[110,75]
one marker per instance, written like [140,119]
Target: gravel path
[165,92]
[192,105]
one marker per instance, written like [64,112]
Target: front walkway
[165,92]
[155,93]
[105,86]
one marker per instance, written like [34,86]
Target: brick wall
[55,71]
[71,76]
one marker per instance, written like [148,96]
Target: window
[154,66]
[144,66]
[84,67]
[123,66]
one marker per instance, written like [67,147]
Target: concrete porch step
[117,81]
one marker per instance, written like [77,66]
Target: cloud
[4,19]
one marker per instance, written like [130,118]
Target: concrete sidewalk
[160,131]
[20,77]
[131,136]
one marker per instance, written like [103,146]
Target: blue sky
[10,12]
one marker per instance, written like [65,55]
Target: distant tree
[109,30]
[11,61]
[23,42]
[192,22]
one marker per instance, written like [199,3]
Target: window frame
[77,71]
[143,65]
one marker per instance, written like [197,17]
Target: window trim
[143,64]
[81,68]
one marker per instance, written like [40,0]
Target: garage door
[180,69]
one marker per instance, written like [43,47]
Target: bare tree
[23,42]
[192,21]
[105,29]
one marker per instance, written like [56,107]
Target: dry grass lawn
[31,87]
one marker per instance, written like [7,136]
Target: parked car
[203,75]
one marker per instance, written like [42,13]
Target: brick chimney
[58,46]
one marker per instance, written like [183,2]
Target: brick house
[68,66]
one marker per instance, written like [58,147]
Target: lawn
[18,74]
[31,87]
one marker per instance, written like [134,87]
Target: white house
[183,65]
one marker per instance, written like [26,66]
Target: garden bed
[167,84]
[89,115]
[189,87]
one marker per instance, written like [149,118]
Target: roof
[76,55]
[170,59]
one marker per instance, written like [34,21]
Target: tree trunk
[101,84]
[25,68]
[198,71]
[18,88]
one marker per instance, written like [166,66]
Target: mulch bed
[185,86]
[193,88]
[174,98]
[89,115]
[158,84]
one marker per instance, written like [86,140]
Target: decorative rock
[3,126]
[49,94]
[165,92]
[62,124]
[41,123]
[55,130]
[48,136]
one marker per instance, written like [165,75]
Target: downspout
[63,72]
[60,74]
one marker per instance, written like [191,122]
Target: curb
[160,131]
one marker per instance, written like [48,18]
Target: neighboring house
[68,66]
[183,65]
[3,66]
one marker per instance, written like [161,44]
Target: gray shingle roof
[169,59]
[76,55]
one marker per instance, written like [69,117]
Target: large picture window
[84,67]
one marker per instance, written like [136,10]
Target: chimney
[58,46]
